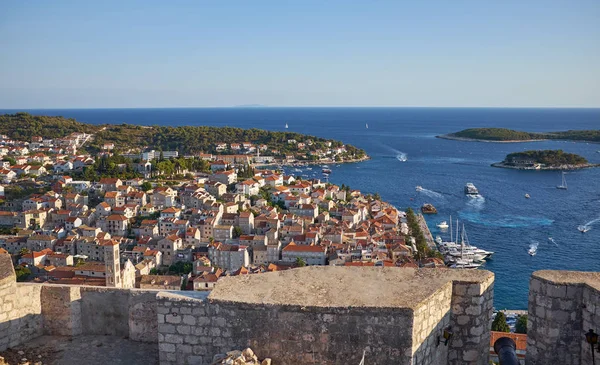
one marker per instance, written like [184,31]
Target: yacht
[532,251]
[584,229]
[465,264]
[419,188]
[470,189]
[527,196]
[443,225]
[366,125]
[286,126]
[563,184]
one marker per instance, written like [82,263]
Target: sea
[405,153]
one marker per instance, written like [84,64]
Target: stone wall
[75,310]
[31,310]
[278,319]
[472,308]
[20,317]
[563,305]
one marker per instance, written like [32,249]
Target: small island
[510,135]
[544,160]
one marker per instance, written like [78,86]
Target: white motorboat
[438,240]
[443,225]
[419,188]
[584,229]
[470,189]
[532,251]
[563,184]
[527,196]
[286,126]
[366,125]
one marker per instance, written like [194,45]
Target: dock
[426,232]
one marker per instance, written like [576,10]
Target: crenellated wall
[314,315]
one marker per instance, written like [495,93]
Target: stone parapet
[563,305]
[328,316]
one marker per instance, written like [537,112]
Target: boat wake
[431,193]
[476,202]
[590,223]
[507,221]
[552,240]
[400,156]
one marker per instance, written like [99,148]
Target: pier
[426,232]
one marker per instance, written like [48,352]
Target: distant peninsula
[544,160]
[184,140]
[510,135]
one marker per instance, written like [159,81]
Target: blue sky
[80,54]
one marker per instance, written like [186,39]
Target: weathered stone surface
[398,326]
[560,312]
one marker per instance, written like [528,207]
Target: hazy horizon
[150,54]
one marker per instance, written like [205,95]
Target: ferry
[470,189]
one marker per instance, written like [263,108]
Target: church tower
[112,264]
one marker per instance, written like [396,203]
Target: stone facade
[563,305]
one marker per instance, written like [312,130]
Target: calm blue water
[504,221]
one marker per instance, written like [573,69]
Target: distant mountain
[250,106]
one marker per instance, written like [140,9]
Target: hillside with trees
[184,139]
[507,135]
[546,157]
[23,126]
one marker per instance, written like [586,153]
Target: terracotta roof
[293,247]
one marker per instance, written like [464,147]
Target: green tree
[24,251]
[22,273]
[237,232]
[300,262]
[521,326]
[500,324]
[154,271]
[146,186]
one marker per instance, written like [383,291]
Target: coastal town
[188,225]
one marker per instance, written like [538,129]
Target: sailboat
[563,184]
[286,126]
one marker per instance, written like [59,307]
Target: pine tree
[521,326]
[499,324]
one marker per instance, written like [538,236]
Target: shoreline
[466,139]
[305,163]
[550,168]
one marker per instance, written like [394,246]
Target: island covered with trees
[544,160]
[186,140]
[510,135]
